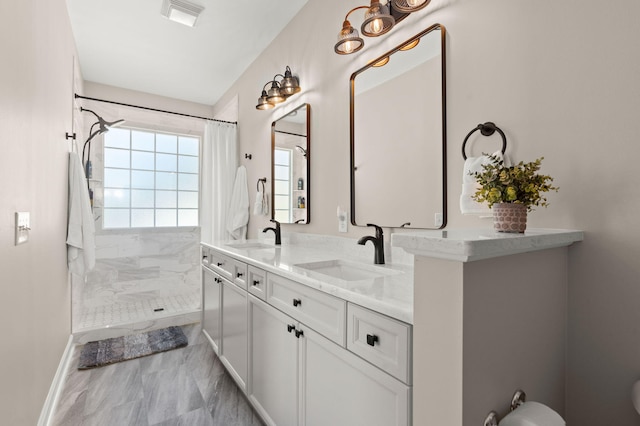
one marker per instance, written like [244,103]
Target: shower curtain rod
[153,109]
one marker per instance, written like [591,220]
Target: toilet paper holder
[519,398]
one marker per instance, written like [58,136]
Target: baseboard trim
[55,390]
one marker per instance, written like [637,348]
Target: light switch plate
[23,226]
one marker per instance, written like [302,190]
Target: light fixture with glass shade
[279,91]
[408,6]
[379,19]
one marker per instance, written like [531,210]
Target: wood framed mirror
[290,160]
[398,136]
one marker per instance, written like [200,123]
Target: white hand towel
[469,184]
[265,204]
[261,205]
[81,245]
[257,206]
[238,213]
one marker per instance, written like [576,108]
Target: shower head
[302,150]
[104,125]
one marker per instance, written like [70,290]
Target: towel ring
[263,180]
[487,129]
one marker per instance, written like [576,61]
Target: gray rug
[109,351]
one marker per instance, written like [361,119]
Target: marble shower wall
[137,272]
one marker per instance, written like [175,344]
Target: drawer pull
[239,274]
[299,333]
[256,282]
[290,328]
[220,263]
[372,339]
[297,302]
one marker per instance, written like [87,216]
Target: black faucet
[378,244]
[275,230]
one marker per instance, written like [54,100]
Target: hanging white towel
[81,246]
[469,184]
[238,213]
[261,205]
[265,204]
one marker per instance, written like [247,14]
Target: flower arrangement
[520,184]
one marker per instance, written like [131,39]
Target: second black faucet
[378,244]
[275,230]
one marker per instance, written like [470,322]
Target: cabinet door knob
[290,328]
[239,274]
[299,333]
[297,302]
[372,339]
[256,282]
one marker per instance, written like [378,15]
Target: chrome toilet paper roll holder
[519,398]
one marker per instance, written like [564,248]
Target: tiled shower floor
[140,308]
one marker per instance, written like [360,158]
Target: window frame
[154,189]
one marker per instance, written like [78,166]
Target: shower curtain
[219,161]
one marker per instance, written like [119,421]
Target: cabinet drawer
[221,264]
[238,271]
[383,341]
[205,256]
[320,311]
[257,282]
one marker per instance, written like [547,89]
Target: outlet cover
[438,220]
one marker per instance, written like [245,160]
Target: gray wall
[561,79]
[36,98]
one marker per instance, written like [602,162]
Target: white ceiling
[128,44]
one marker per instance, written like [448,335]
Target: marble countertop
[466,245]
[391,293]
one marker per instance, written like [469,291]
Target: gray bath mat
[108,351]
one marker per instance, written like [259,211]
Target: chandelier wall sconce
[379,19]
[279,91]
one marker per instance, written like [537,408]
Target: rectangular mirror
[290,148]
[398,136]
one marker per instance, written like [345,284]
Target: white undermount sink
[249,245]
[347,271]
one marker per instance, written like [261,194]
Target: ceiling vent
[181,11]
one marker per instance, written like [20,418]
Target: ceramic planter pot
[509,217]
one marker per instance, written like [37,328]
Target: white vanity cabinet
[273,364]
[234,332]
[211,306]
[341,389]
[224,317]
[301,355]
[299,377]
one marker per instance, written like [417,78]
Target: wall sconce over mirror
[379,19]
[279,91]
[290,160]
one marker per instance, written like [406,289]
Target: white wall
[562,80]
[36,80]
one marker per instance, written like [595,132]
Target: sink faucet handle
[276,222]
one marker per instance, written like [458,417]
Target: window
[150,179]
[282,185]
